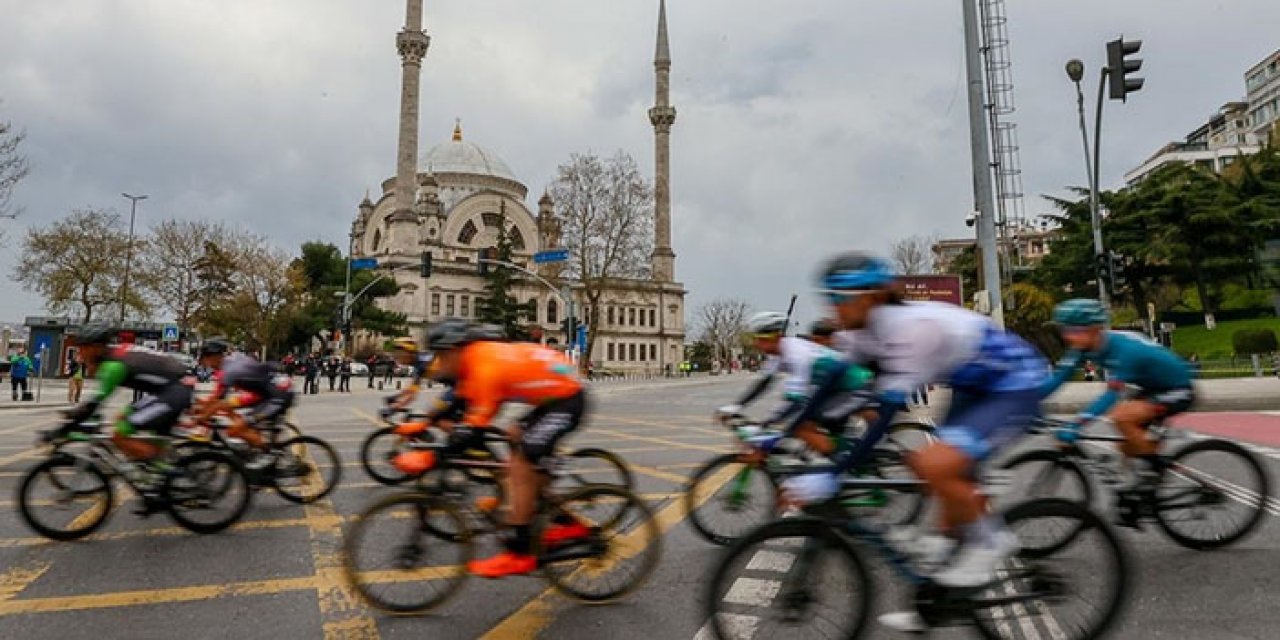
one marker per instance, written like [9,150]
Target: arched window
[553,312]
[468,233]
[491,219]
[517,239]
[377,239]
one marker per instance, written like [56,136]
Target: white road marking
[753,592]
[776,561]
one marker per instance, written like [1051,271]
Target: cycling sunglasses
[837,296]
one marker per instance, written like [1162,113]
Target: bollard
[1257,365]
[379,385]
[397,385]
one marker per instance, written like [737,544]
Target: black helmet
[449,333]
[822,328]
[214,346]
[94,334]
[485,333]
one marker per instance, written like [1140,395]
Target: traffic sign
[551,255]
[364,263]
[171,333]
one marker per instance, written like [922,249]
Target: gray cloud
[804,128]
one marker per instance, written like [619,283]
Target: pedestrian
[311,374]
[75,380]
[344,371]
[331,370]
[19,367]
[389,371]
[372,365]
[1090,371]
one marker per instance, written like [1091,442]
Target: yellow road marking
[667,425]
[19,457]
[662,441]
[15,579]
[154,596]
[657,473]
[536,615]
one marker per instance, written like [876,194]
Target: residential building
[1029,243]
[1262,86]
[1214,145]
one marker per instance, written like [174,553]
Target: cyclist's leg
[154,413]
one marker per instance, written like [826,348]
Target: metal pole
[128,255]
[346,297]
[979,146]
[1094,209]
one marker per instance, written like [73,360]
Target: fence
[1239,367]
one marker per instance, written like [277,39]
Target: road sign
[551,255]
[171,333]
[364,263]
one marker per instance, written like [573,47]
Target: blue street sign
[551,255]
[364,263]
[170,333]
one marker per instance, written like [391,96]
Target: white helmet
[767,322]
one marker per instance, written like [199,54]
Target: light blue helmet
[1080,312]
[856,271]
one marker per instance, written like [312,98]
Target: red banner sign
[932,288]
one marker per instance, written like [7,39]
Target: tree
[1029,314]
[265,289]
[13,167]
[912,255]
[322,270]
[965,265]
[606,213]
[498,307]
[175,268]
[722,323]
[77,264]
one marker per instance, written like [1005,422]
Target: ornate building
[451,200]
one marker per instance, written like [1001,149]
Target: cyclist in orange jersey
[485,375]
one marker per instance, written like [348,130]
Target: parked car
[359,369]
[404,370]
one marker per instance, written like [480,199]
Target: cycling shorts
[548,422]
[1170,401]
[835,412]
[981,424]
[158,412]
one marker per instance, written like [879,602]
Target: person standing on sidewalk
[19,367]
[372,364]
[75,380]
[344,371]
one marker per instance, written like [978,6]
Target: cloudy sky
[804,127]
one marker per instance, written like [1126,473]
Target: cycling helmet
[856,271]
[214,346]
[450,333]
[405,344]
[94,334]
[822,328]
[486,333]
[1080,312]
[767,322]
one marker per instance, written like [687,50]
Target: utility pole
[979,146]
[128,254]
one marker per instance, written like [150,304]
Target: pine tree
[498,307]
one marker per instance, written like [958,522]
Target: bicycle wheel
[306,469]
[1213,494]
[285,431]
[620,543]
[207,491]
[593,466]
[794,578]
[65,498]
[395,559]
[725,499]
[378,451]
[1074,593]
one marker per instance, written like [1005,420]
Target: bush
[1251,341]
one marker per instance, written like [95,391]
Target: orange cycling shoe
[415,462]
[507,563]
[410,429]
[558,534]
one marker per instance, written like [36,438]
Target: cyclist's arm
[1067,366]
[761,384]
[110,376]
[890,403]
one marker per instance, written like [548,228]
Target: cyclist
[260,398]
[166,387]
[405,352]
[1162,378]
[823,331]
[486,374]
[995,378]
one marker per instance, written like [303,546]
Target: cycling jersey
[1128,358]
[492,373]
[162,379]
[246,375]
[799,359]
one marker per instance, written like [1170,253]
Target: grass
[1212,345]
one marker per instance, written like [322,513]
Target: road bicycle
[70,494]
[721,511]
[301,469]
[1207,494]
[808,576]
[407,553]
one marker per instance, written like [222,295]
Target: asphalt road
[274,576]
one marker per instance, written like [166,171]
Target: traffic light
[1118,263]
[485,254]
[1118,68]
[1102,262]
[570,326]
[424,269]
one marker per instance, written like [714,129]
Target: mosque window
[491,220]
[435,304]
[631,352]
[653,352]
[631,318]
[448,305]
[653,317]
[377,239]
[517,239]
[610,314]
[553,312]
[466,306]
[468,233]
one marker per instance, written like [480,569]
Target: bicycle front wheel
[208,493]
[378,451]
[1213,494]
[795,578]
[594,466]
[65,498]
[1068,589]
[397,560]
[725,499]
[305,469]
[597,544]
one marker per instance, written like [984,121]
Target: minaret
[662,116]
[412,43]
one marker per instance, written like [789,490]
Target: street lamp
[128,255]
[1075,71]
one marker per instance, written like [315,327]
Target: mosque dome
[463,157]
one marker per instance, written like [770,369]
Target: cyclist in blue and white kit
[995,379]
[1162,378]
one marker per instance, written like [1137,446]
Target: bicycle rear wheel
[378,451]
[618,545]
[593,466]
[1069,590]
[208,492]
[795,578]
[1213,494]
[725,499]
[305,469]
[396,559]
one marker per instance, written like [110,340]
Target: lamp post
[128,255]
[1075,71]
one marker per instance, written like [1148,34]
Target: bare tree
[606,213]
[721,324]
[265,290]
[913,255]
[77,263]
[13,167]
[171,270]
